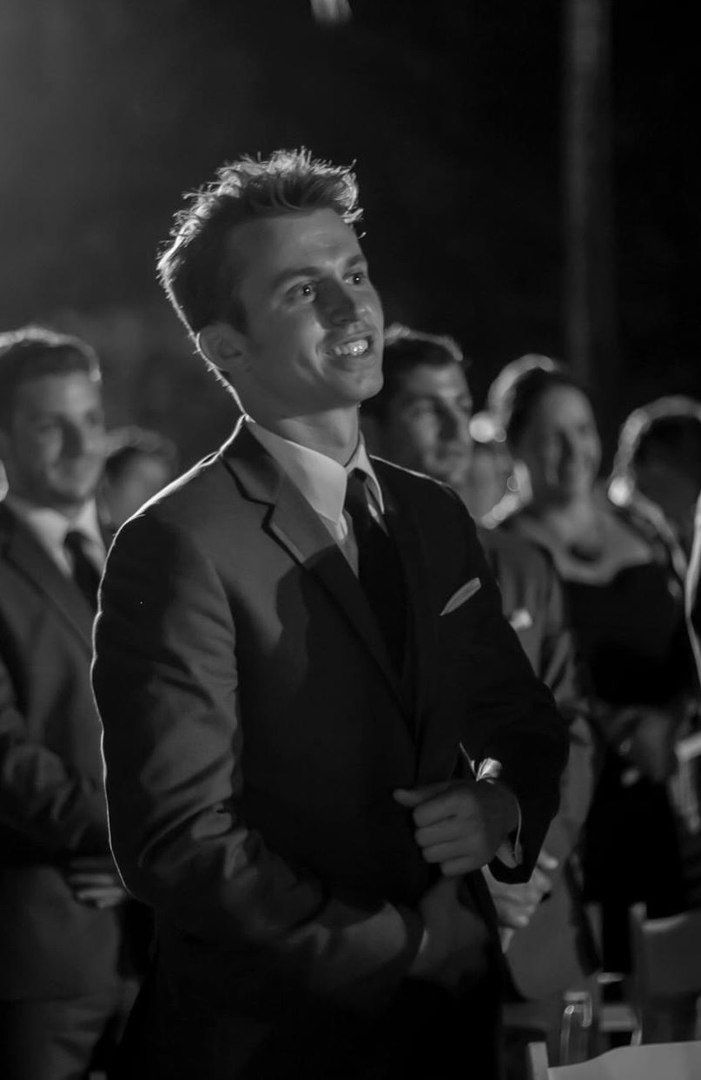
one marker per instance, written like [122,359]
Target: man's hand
[460,824]
[650,746]
[455,939]
[96,887]
[516,904]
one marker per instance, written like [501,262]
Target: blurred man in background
[421,418]
[61,988]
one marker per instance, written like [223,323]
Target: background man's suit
[254,731]
[52,804]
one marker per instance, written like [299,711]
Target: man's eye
[306,290]
[358,277]
[421,410]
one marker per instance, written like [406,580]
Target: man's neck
[334,434]
[70,511]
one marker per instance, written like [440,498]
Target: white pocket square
[464,593]
[521,619]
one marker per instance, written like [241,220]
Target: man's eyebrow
[310,271]
[289,275]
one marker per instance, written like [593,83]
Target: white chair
[658,1061]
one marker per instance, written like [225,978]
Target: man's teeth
[353,348]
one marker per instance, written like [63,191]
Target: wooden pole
[590,322]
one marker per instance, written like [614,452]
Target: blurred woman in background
[626,606]
[138,464]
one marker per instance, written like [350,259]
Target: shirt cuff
[510,853]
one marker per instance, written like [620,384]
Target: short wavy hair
[33,351]
[198,267]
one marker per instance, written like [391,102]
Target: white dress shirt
[51,527]
[323,481]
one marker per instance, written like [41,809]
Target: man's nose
[569,447]
[455,425]
[81,439]
[339,304]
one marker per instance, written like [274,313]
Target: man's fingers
[98,881]
[463,864]
[446,831]
[546,861]
[101,898]
[513,916]
[540,882]
[412,797]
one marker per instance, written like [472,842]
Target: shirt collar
[51,525]
[321,480]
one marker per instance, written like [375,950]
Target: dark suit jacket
[254,731]
[52,804]
[556,950]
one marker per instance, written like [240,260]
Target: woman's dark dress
[632,638]
[631,631]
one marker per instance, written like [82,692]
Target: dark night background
[452,110]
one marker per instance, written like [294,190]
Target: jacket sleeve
[509,714]
[562,672]
[165,679]
[43,799]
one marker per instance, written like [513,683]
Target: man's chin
[70,498]
[453,474]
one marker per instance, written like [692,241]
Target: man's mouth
[353,349]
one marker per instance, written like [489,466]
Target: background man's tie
[379,568]
[85,573]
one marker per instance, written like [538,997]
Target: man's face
[54,448]
[426,425]
[313,336]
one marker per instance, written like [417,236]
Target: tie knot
[75,541]
[356,492]
[85,572]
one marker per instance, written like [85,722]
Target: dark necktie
[379,569]
[85,573]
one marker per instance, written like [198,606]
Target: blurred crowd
[593,576]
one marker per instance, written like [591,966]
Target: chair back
[666,954]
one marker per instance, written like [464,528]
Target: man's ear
[224,346]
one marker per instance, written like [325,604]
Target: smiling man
[314,737]
[61,901]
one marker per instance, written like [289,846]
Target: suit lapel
[26,554]
[298,529]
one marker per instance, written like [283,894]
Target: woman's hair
[516,399]
[665,430]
